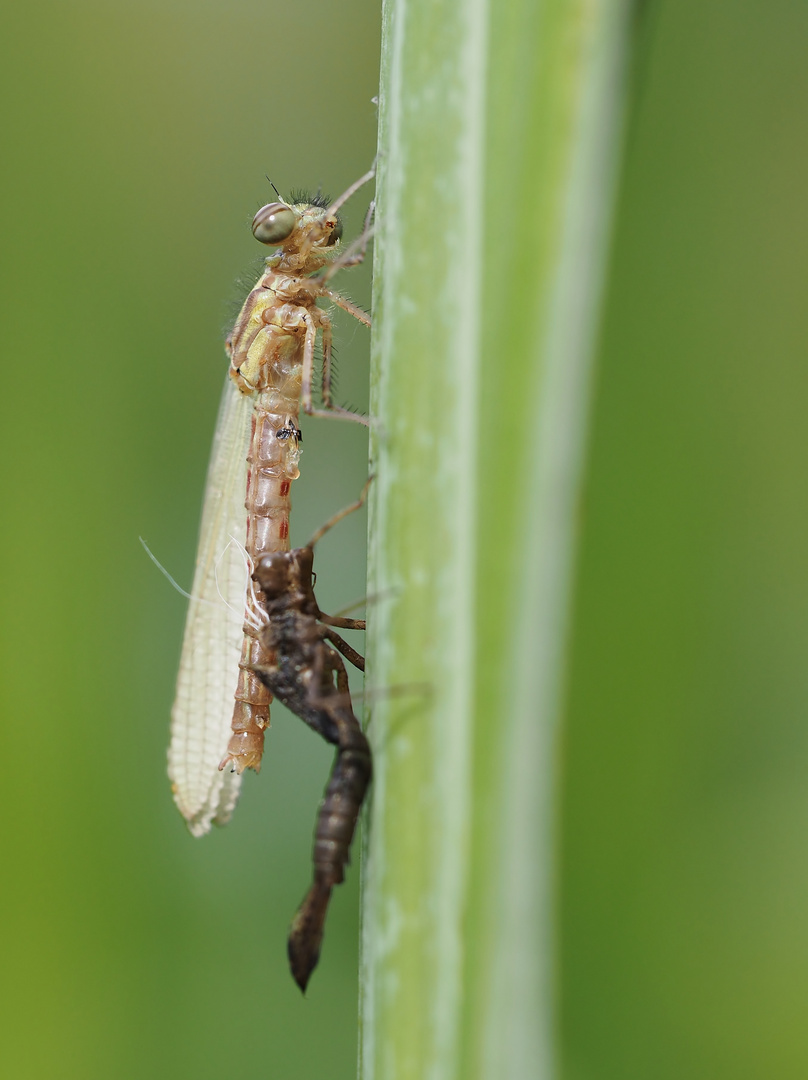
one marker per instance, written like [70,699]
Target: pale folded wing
[203,708]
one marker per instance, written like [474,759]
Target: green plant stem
[499,137]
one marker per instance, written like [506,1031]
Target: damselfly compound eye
[273,223]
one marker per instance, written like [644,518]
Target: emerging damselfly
[221,708]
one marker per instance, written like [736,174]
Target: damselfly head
[301,225]
[320,219]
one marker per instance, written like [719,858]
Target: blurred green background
[136,145]
[137,139]
[684,888]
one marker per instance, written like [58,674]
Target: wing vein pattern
[200,719]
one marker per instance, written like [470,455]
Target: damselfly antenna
[275,189]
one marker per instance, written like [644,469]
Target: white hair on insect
[257,617]
[254,614]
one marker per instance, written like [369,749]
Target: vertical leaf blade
[498,145]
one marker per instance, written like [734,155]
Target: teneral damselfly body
[271,350]
[305,661]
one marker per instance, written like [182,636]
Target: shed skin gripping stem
[306,672]
[221,709]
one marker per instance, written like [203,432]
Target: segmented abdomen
[273,456]
[339,810]
[266,358]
